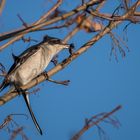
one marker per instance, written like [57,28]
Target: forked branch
[89,123]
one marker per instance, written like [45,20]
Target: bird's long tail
[26,98]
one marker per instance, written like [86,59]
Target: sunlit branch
[2,3]
[112,24]
[20,33]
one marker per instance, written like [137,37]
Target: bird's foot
[65,82]
[55,60]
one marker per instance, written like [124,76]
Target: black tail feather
[26,98]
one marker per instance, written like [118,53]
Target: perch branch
[6,97]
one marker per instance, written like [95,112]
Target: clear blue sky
[97,84]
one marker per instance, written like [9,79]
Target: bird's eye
[55,41]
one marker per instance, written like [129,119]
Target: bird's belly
[30,69]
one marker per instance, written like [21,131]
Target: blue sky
[97,84]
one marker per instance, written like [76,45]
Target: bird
[30,64]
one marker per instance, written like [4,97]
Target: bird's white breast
[32,67]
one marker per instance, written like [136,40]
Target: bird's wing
[18,62]
[23,57]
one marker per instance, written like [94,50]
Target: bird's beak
[68,46]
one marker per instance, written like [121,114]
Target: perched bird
[31,63]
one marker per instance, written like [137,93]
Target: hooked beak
[69,46]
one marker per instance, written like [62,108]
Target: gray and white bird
[31,63]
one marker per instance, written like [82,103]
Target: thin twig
[65,25]
[100,5]
[75,30]
[43,18]
[23,22]
[18,131]
[92,123]
[9,118]
[2,3]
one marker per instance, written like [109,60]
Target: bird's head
[56,42]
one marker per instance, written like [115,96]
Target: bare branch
[2,3]
[66,24]
[137,14]
[84,17]
[18,131]
[23,22]
[67,61]
[43,18]
[91,123]
[21,32]
[63,64]
[9,118]
[100,5]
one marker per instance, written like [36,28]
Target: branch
[74,31]
[8,96]
[71,34]
[43,18]
[90,123]
[21,32]
[2,5]
[137,14]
